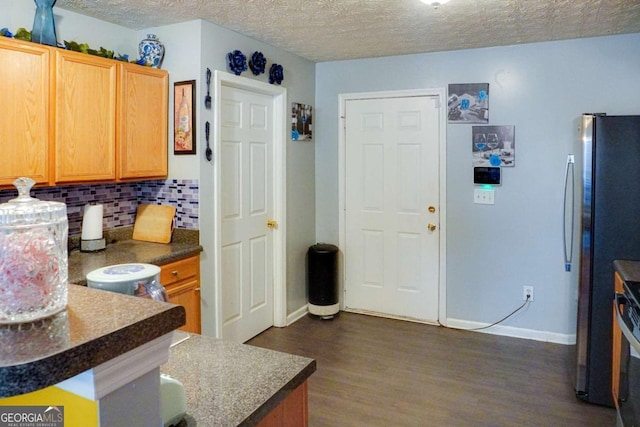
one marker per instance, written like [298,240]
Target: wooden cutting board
[154,223]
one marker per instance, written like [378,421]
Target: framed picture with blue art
[301,122]
[468,103]
[493,146]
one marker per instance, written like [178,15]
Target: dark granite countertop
[122,249]
[230,384]
[97,326]
[629,270]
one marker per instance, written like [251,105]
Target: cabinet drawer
[177,271]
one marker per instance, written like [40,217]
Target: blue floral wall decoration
[276,74]
[237,62]
[257,63]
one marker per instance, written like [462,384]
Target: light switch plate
[483,197]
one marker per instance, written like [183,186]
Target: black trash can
[322,280]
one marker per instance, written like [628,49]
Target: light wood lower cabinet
[617,344]
[182,281]
[291,412]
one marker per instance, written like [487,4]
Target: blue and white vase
[151,50]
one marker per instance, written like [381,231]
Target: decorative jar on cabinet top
[33,257]
[151,50]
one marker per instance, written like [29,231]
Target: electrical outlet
[527,291]
[483,197]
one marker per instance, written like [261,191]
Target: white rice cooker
[131,279]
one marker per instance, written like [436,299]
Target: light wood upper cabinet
[70,117]
[25,128]
[85,111]
[144,98]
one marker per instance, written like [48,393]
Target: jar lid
[27,210]
[123,272]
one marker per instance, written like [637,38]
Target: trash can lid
[324,247]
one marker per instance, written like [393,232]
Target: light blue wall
[492,251]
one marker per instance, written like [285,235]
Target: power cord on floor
[501,320]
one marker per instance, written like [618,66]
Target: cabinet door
[142,144]
[182,280]
[85,117]
[293,411]
[24,122]
[188,296]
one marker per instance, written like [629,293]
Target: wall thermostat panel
[486,175]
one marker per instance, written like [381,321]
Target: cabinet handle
[197,289]
[174,272]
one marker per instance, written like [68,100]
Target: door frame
[342,168]
[279,103]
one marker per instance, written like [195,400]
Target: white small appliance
[91,239]
[131,279]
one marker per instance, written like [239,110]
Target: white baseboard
[297,315]
[510,331]
[507,331]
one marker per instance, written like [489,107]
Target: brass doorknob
[272,223]
[431,226]
[432,209]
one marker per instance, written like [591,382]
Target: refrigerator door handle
[568,196]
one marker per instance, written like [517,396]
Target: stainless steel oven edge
[628,334]
[629,384]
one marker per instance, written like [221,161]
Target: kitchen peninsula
[226,384]
[230,384]
[105,348]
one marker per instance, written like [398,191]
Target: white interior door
[246,206]
[392,206]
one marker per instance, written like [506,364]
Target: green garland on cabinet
[25,35]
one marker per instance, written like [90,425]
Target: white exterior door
[392,206]
[246,206]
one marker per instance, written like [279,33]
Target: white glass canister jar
[33,257]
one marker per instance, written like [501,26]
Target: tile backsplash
[181,193]
[121,200]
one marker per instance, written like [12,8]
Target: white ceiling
[327,30]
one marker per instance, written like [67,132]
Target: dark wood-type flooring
[383,372]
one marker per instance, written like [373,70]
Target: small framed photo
[468,103]
[301,122]
[184,117]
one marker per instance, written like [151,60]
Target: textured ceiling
[327,30]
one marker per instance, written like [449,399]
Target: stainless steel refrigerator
[602,223]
